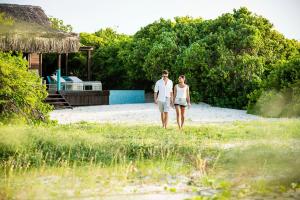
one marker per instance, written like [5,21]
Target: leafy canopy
[226,60]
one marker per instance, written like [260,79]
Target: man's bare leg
[166,119]
[162,119]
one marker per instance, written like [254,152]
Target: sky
[128,16]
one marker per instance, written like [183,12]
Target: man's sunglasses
[164,76]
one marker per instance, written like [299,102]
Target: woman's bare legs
[182,111]
[178,116]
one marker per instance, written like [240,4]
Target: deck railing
[80,86]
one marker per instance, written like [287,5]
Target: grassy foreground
[232,161]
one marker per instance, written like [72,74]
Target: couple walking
[166,96]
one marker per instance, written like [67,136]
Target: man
[164,98]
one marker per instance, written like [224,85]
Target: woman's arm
[175,93]
[188,98]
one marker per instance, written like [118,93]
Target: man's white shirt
[163,89]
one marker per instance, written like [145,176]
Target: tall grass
[227,155]
[110,144]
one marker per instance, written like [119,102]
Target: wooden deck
[86,98]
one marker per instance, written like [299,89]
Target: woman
[181,99]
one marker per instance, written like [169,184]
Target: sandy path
[147,113]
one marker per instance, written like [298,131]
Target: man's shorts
[164,106]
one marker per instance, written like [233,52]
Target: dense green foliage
[108,59]
[285,74]
[224,59]
[21,91]
[280,94]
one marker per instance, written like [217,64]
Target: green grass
[239,160]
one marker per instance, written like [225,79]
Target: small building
[31,33]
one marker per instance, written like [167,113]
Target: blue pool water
[126,96]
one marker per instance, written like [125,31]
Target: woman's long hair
[183,77]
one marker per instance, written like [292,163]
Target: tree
[58,24]
[224,59]
[108,61]
[21,91]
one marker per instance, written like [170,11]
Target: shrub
[292,107]
[21,91]
[282,103]
[284,74]
[280,94]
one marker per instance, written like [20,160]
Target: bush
[284,74]
[292,107]
[280,94]
[270,104]
[283,103]
[21,91]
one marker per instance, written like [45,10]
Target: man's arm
[171,99]
[155,97]
[171,95]
[155,92]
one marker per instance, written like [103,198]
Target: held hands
[172,105]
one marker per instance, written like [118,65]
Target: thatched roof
[32,32]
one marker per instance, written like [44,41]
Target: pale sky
[128,16]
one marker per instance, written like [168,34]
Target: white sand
[148,113]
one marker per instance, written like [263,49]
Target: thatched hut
[32,34]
